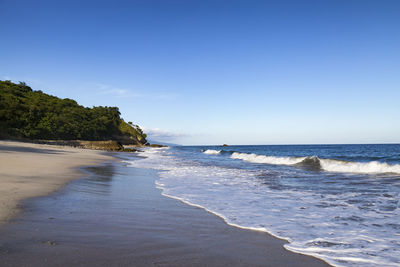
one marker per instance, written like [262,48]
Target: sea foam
[266,159]
[212,151]
[344,227]
[331,165]
[358,167]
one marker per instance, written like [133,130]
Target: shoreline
[148,235]
[261,230]
[29,170]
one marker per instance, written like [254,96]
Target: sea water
[339,203]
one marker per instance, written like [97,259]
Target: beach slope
[115,216]
[31,170]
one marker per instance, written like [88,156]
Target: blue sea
[339,203]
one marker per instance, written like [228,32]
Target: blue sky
[213,72]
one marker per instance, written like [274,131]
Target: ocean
[339,203]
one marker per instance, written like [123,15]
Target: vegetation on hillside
[29,114]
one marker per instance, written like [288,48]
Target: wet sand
[30,170]
[116,217]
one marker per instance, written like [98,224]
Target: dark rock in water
[225,145]
[311,163]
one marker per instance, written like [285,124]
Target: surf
[211,152]
[313,162]
[320,213]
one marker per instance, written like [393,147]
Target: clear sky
[213,72]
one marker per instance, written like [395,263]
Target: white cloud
[122,92]
[157,134]
[115,91]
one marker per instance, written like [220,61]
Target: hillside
[34,115]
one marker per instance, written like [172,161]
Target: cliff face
[130,134]
[34,115]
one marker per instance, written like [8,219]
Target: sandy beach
[114,216]
[31,170]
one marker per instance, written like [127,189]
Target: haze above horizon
[214,72]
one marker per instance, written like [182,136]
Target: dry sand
[31,170]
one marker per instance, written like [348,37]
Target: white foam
[242,200]
[330,165]
[212,152]
[266,159]
[358,167]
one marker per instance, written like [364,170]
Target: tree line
[25,113]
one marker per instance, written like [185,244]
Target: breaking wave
[212,151]
[331,165]
[254,158]
[346,220]
[358,167]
